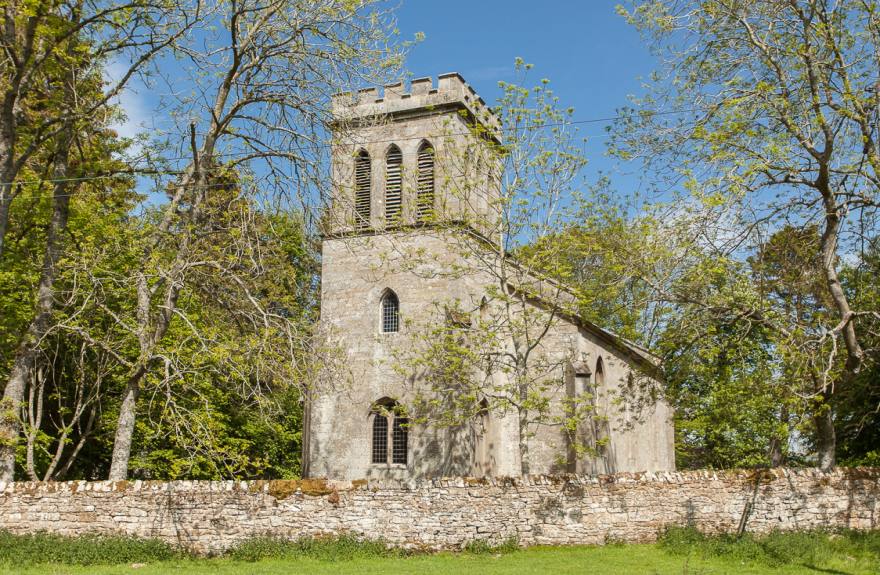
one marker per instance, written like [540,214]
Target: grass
[777,549]
[680,552]
[21,550]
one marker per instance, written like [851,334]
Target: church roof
[568,310]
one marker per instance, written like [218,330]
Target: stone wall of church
[356,273]
[428,270]
[209,517]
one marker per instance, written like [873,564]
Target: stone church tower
[407,166]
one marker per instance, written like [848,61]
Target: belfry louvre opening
[393,185]
[362,199]
[425,196]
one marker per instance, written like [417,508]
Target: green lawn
[608,560]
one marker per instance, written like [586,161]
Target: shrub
[36,548]
[481,546]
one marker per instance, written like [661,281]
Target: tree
[607,293]
[61,391]
[227,388]
[41,39]
[500,355]
[261,85]
[72,148]
[771,112]
[54,54]
[726,379]
[857,415]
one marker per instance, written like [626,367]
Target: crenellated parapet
[423,98]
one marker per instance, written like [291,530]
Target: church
[410,237]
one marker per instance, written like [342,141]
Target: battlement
[451,92]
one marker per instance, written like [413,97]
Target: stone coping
[320,486]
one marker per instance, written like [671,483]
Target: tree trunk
[5,205]
[525,468]
[125,427]
[826,438]
[7,160]
[35,420]
[776,455]
[152,327]
[306,456]
[13,40]
[28,349]
[149,335]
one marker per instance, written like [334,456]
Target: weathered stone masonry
[210,516]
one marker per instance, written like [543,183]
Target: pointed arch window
[362,199]
[425,195]
[399,440]
[393,185]
[600,372]
[390,313]
[390,428]
[380,438]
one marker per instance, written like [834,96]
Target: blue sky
[593,59]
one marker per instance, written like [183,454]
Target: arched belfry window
[390,428]
[425,195]
[393,184]
[390,312]
[362,199]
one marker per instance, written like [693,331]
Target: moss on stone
[316,487]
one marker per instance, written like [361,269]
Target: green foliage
[340,548]
[36,548]
[205,304]
[225,438]
[765,172]
[776,548]
[70,369]
[232,405]
[484,546]
[857,417]
[721,378]
[583,256]
[203,428]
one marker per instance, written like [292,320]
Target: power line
[532,127]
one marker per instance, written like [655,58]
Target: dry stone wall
[210,516]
